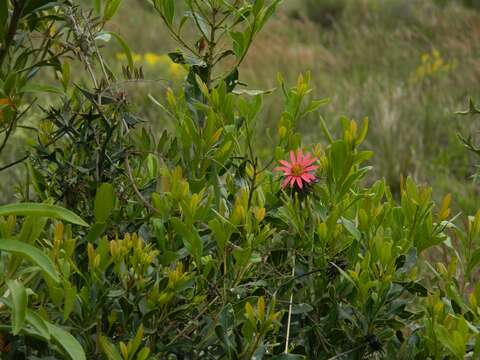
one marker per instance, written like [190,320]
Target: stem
[8,133]
[135,188]
[290,309]
[339,356]
[254,163]
[18,161]
[12,29]
[99,56]
[186,329]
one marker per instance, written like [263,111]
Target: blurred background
[407,65]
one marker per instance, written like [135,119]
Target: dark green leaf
[104,202]
[33,254]
[46,210]
[19,303]
[109,349]
[71,346]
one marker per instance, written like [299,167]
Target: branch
[135,188]
[18,161]
[12,29]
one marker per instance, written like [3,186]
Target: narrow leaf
[19,303]
[71,346]
[46,210]
[123,44]
[104,202]
[33,254]
[109,349]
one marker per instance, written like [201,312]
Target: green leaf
[40,88]
[169,10]
[268,12]
[123,44]
[452,341]
[104,202]
[32,227]
[325,130]
[33,254]
[314,105]
[413,287]
[191,239]
[69,301]
[109,349]
[97,6]
[238,43]
[46,210]
[71,346]
[38,323]
[474,260]
[351,228]
[143,354]
[199,22]
[96,231]
[339,155]
[302,308]
[257,6]
[110,9]
[135,344]
[19,303]
[253,92]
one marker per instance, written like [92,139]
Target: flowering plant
[299,170]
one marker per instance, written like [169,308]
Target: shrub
[199,248]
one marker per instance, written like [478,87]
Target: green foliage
[195,248]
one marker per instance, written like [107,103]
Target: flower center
[297,170]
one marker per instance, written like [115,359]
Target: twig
[12,29]
[181,333]
[290,310]
[18,161]
[12,125]
[135,188]
[339,356]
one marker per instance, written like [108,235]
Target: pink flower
[298,170]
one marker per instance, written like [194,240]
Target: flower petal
[311,168]
[299,155]
[307,162]
[283,169]
[285,182]
[292,181]
[285,163]
[292,157]
[308,177]
[299,182]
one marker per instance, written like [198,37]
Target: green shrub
[198,247]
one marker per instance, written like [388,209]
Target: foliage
[194,249]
